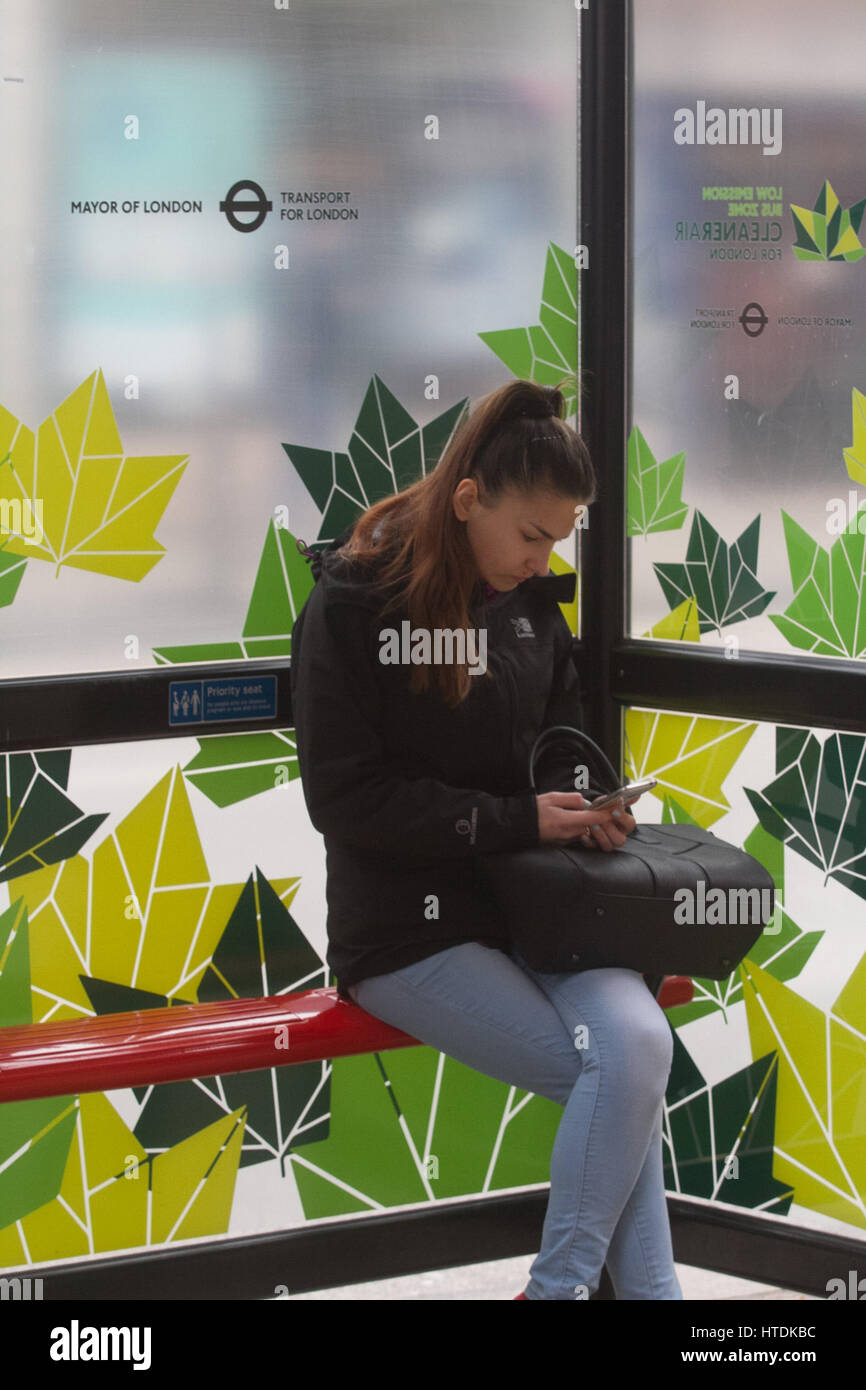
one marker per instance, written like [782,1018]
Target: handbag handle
[582,738]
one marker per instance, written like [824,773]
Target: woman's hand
[562,819]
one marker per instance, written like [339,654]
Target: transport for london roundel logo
[236,207]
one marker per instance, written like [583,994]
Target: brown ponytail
[515,438]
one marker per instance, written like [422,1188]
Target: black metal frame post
[605,389]
[617,670]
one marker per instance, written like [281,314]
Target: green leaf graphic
[34,1134]
[35,1139]
[718,1140]
[548,351]
[827,614]
[387,452]
[12,569]
[654,497]
[817,803]
[15,1007]
[282,584]
[400,1135]
[722,579]
[231,767]
[39,825]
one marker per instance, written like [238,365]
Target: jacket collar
[560,587]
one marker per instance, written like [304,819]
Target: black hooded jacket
[406,792]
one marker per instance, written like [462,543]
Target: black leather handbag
[674,899]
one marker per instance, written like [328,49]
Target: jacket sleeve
[557,763]
[353,793]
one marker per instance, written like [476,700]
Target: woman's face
[512,538]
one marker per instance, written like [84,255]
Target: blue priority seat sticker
[211,701]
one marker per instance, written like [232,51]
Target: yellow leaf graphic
[568,610]
[114,1198]
[691,756]
[680,625]
[821,1102]
[71,496]
[855,457]
[143,913]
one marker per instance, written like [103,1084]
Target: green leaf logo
[654,498]
[548,351]
[828,232]
[827,614]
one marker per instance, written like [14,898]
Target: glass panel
[175,383]
[766,1102]
[747,446]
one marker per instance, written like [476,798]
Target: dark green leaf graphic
[817,803]
[718,1140]
[39,825]
[654,501]
[261,952]
[387,452]
[827,614]
[722,579]
[548,351]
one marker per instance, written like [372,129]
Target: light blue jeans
[598,1044]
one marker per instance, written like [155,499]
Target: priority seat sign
[235,697]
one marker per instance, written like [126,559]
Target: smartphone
[627,793]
